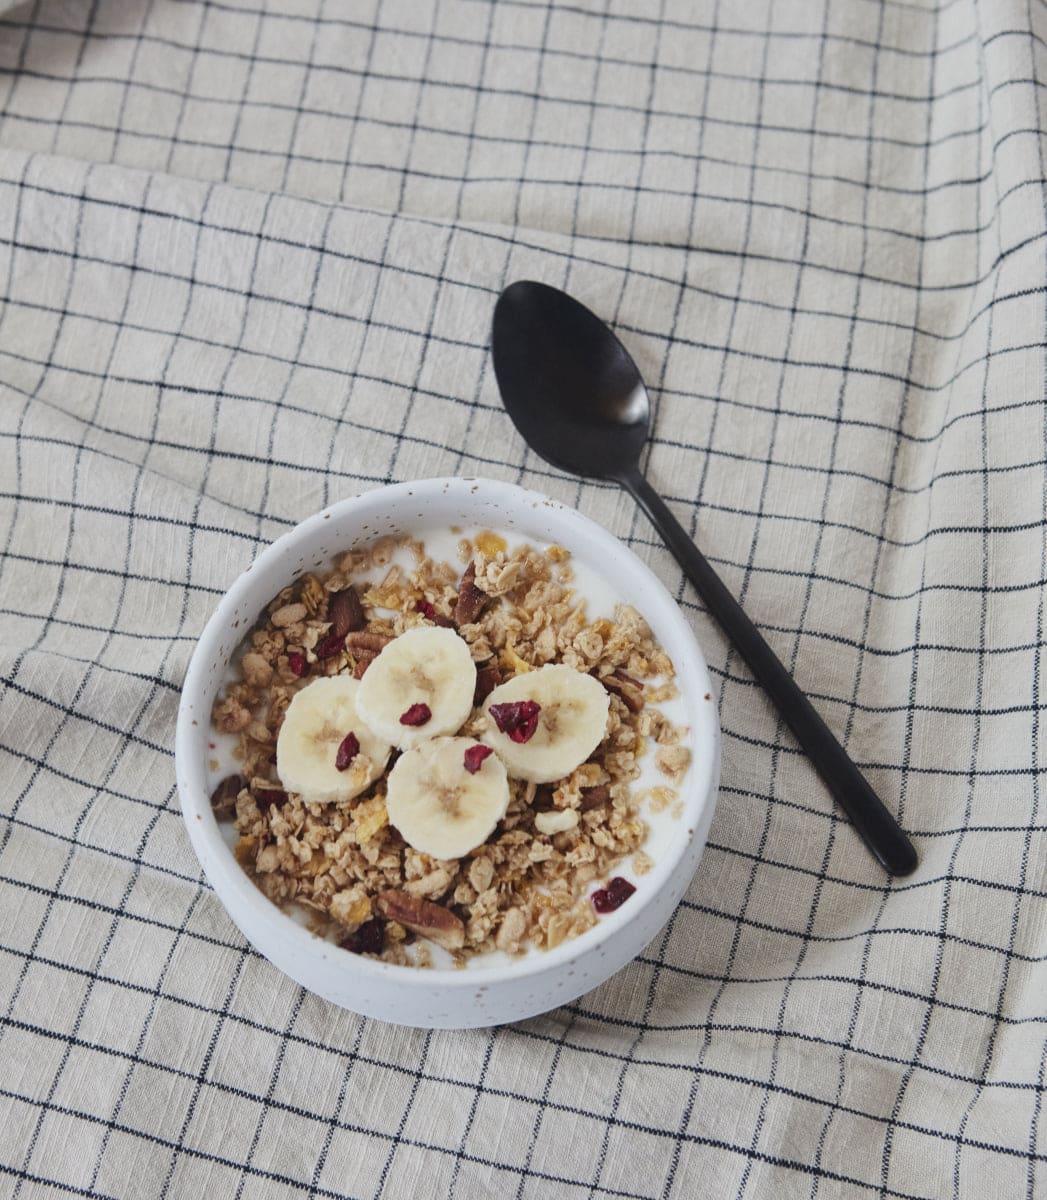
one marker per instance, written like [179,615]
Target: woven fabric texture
[249,253]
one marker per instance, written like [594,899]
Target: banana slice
[440,806]
[569,724]
[420,686]
[316,725]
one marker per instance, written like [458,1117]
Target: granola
[528,884]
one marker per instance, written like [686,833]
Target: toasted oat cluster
[527,884]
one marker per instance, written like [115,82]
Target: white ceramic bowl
[491,989]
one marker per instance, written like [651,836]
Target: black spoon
[577,398]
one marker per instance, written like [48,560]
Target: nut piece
[223,798]
[556,820]
[423,917]
[363,642]
[471,601]
[593,797]
[625,686]
[346,612]
[289,614]
[488,677]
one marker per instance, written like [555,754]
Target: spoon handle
[876,826]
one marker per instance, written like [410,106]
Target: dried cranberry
[474,757]
[429,612]
[368,939]
[517,718]
[297,664]
[417,714]
[613,896]
[348,749]
[329,646]
[265,798]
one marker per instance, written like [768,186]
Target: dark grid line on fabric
[820,878]
[494,1034]
[1020,890]
[632,538]
[280,1177]
[9,683]
[742,915]
[1035,740]
[277,407]
[575,256]
[784,35]
[929,1001]
[477,405]
[244,954]
[559,1041]
[652,988]
[479,1089]
[656,961]
[928,588]
[129,735]
[748,354]
[252,57]
[625,153]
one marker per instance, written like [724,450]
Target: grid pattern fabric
[249,253]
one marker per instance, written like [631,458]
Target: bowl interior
[431,510]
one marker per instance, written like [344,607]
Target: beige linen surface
[249,252]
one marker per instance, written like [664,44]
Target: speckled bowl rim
[215,855]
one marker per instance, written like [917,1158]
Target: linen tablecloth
[249,251]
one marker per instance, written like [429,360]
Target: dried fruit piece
[223,798]
[368,939]
[298,664]
[348,749]
[516,718]
[346,612]
[329,646]
[417,714]
[490,543]
[613,896]
[426,609]
[266,798]
[424,917]
[488,677]
[471,601]
[625,686]
[474,757]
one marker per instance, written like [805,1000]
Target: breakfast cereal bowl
[620,852]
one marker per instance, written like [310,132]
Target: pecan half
[593,797]
[364,642]
[223,798]
[424,917]
[488,677]
[346,612]
[471,601]
[625,686]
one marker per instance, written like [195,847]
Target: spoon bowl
[578,400]
[594,416]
